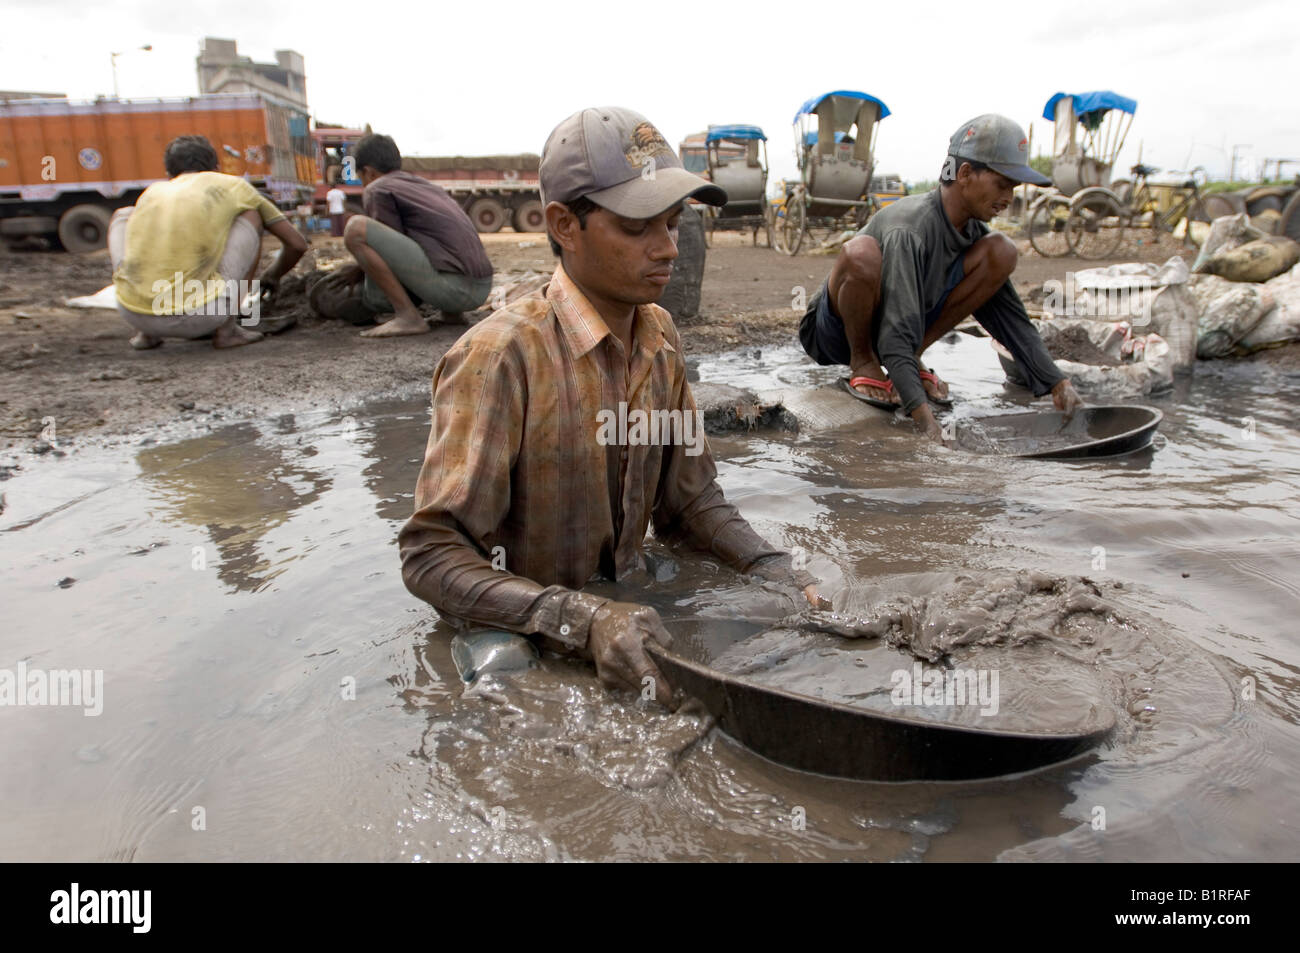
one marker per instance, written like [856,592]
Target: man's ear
[562,225]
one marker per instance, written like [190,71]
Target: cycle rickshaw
[834,137]
[737,161]
[1087,213]
[1079,162]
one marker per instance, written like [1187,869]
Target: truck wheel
[530,217]
[1289,223]
[84,228]
[488,215]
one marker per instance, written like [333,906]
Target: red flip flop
[850,385]
[934,379]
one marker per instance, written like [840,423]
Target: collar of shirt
[583,327]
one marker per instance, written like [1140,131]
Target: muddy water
[272,691]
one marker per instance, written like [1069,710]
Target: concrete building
[223,70]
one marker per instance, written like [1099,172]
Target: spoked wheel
[1047,226]
[1095,227]
[795,224]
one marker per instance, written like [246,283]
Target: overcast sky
[483,77]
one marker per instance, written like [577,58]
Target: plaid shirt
[515,476]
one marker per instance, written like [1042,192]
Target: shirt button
[564,629]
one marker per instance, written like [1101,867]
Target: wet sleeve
[690,506]
[902,315]
[1006,320]
[463,496]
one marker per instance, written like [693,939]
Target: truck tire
[1223,203]
[488,215]
[530,217]
[1265,198]
[1289,223]
[84,228]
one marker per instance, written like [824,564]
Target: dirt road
[74,366]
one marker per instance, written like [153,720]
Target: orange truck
[65,166]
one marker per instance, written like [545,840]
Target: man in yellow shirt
[185,255]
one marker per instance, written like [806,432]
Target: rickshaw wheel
[792,230]
[1095,227]
[1047,226]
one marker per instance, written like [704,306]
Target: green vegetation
[923,186]
[1042,165]
[1209,188]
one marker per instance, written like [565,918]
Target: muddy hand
[616,642]
[925,420]
[1066,398]
[847,626]
[815,598]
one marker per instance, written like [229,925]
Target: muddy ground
[75,366]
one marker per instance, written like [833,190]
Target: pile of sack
[1148,322]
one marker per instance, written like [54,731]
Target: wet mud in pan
[928,676]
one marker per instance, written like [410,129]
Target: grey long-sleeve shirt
[919,246]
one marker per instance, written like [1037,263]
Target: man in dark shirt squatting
[919,267]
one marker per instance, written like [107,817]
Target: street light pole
[112,57]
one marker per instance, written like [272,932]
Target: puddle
[272,692]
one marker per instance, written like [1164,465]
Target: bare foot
[231,335]
[143,342]
[873,370]
[398,326]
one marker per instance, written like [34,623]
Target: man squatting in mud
[919,267]
[184,253]
[519,453]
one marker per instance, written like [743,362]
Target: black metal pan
[1104,431]
[846,742]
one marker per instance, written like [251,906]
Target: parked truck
[65,165]
[493,190]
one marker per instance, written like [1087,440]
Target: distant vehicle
[694,152]
[737,161]
[834,136]
[887,188]
[65,165]
[493,190]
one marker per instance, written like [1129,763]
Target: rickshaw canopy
[850,97]
[1089,108]
[717,133]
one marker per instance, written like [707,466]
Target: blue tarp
[734,132]
[812,104]
[810,137]
[1084,103]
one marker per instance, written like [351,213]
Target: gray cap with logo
[1000,144]
[618,160]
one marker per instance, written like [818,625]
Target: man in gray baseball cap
[540,471]
[919,267]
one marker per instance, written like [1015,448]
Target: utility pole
[1232,173]
[112,58]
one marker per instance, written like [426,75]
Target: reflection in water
[239,484]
